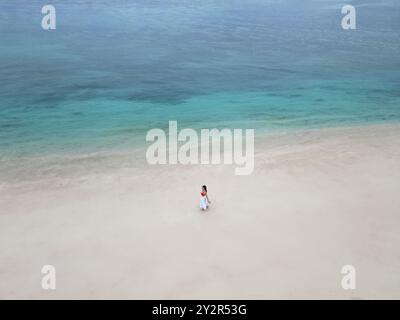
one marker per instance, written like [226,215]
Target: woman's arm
[207,198]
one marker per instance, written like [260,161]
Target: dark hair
[205,187]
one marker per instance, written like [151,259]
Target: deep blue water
[114,69]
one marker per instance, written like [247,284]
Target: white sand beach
[317,200]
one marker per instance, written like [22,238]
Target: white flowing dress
[203,203]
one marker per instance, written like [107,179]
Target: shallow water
[114,69]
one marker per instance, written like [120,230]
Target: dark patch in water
[10,125]
[171,97]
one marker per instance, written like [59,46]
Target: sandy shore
[317,201]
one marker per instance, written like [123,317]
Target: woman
[204,201]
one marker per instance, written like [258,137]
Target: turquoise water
[114,69]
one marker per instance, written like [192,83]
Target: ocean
[112,70]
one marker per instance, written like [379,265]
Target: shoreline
[80,164]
